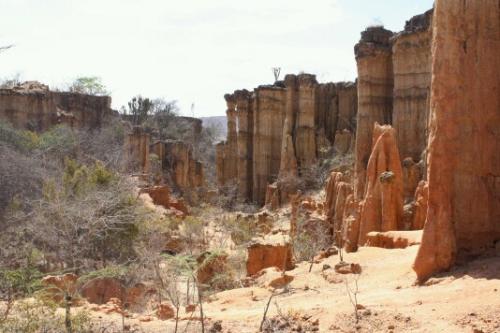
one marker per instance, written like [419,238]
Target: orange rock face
[165,311]
[382,206]
[282,129]
[463,175]
[421,200]
[375,91]
[337,192]
[33,106]
[393,239]
[161,196]
[102,290]
[60,285]
[394,77]
[411,60]
[245,142]
[351,223]
[262,256]
[137,150]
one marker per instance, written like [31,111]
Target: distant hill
[218,121]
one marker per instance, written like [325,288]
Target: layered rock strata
[137,150]
[177,158]
[33,106]
[281,130]
[394,79]
[375,92]
[463,213]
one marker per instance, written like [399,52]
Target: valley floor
[466,299]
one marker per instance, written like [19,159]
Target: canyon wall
[393,88]
[411,62]
[33,106]
[394,78]
[176,157]
[438,84]
[463,174]
[281,130]
[375,85]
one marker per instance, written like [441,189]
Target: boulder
[101,290]
[393,239]
[269,254]
[59,286]
[347,268]
[165,311]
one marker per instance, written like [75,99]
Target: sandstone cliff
[281,130]
[375,85]
[463,213]
[176,157]
[394,79]
[33,106]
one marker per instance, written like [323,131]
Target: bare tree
[353,292]
[276,72]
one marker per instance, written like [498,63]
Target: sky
[191,51]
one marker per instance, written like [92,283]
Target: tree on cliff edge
[90,85]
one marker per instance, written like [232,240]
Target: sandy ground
[466,299]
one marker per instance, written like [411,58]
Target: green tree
[90,85]
[140,108]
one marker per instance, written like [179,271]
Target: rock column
[375,85]
[463,213]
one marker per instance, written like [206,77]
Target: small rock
[145,319]
[165,311]
[216,327]
[326,266]
[391,327]
[346,268]
[190,307]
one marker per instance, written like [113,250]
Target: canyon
[407,158]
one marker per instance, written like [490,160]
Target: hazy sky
[193,51]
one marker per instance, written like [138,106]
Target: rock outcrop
[281,130]
[176,157]
[269,254]
[382,206]
[394,79]
[411,62]
[464,144]
[160,195]
[420,206]
[393,239]
[375,92]
[31,105]
[137,150]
